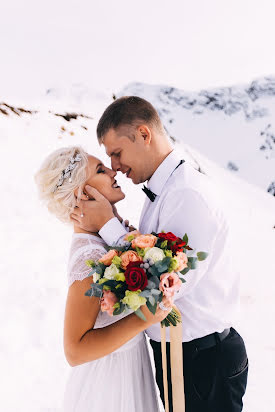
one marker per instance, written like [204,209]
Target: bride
[111,369]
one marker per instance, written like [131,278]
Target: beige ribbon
[176,360]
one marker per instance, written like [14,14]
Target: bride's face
[103,179]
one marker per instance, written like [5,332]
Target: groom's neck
[159,159]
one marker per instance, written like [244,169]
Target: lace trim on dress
[81,250]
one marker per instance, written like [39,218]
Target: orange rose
[182,261]
[107,259]
[144,241]
[134,233]
[129,256]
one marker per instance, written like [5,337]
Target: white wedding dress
[122,381]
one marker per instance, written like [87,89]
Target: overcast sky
[106,44]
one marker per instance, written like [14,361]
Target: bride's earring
[85,195]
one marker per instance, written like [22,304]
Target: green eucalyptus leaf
[160,296]
[152,308]
[89,292]
[145,293]
[153,270]
[153,282]
[140,314]
[119,248]
[202,256]
[95,290]
[163,265]
[185,238]
[192,262]
[184,271]
[152,300]
[100,268]
[92,272]
[155,291]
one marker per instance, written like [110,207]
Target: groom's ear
[145,133]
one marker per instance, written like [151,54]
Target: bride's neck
[79,230]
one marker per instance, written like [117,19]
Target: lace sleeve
[77,268]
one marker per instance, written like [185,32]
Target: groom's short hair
[128,110]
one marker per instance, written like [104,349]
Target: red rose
[168,236]
[135,277]
[175,243]
[178,245]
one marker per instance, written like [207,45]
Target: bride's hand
[160,313]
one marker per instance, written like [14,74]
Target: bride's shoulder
[83,247]
[84,240]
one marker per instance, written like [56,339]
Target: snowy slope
[35,246]
[233,126]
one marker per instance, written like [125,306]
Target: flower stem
[172,319]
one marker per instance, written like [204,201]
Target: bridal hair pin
[66,173]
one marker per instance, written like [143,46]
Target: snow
[35,247]
[230,125]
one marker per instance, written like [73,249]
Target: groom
[181,200]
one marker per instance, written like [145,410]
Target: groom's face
[129,150]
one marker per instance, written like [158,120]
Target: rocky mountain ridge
[234,126]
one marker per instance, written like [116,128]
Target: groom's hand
[92,214]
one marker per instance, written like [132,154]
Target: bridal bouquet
[140,273]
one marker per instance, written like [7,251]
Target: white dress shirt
[187,202]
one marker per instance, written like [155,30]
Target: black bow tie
[149,193]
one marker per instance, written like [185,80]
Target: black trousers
[214,378]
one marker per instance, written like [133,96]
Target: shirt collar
[163,172]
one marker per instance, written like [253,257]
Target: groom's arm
[188,212]
[113,232]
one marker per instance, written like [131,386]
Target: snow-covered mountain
[35,245]
[233,126]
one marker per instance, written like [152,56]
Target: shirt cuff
[112,232]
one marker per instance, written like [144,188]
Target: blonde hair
[61,202]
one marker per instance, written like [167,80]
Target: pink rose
[129,256]
[182,261]
[134,233]
[170,283]
[144,241]
[107,302]
[108,257]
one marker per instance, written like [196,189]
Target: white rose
[96,277]
[155,253]
[111,271]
